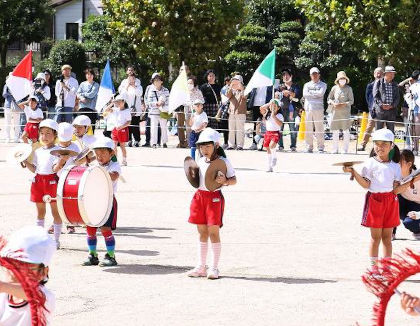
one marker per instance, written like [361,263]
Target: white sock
[40,222]
[270,161]
[216,249]
[57,231]
[273,154]
[202,253]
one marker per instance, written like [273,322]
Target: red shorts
[120,136]
[381,210]
[207,208]
[271,136]
[32,130]
[43,185]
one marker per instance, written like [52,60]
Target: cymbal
[348,163]
[86,152]
[192,172]
[20,153]
[59,152]
[213,170]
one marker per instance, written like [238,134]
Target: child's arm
[14,289]
[226,181]
[125,125]
[399,188]
[31,167]
[202,127]
[114,175]
[61,162]
[365,183]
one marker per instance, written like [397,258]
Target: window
[72,31]
[16,45]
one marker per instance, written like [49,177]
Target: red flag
[20,80]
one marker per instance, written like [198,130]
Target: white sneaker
[124,163]
[270,169]
[213,273]
[274,161]
[199,271]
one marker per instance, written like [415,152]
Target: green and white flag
[265,73]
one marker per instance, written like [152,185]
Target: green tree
[287,42]
[22,20]
[167,32]
[67,52]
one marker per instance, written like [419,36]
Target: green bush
[67,52]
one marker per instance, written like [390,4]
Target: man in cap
[386,97]
[65,90]
[313,93]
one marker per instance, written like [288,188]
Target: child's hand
[412,215]
[221,178]
[408,303]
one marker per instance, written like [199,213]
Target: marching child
[198,122]
[104,151]
[206,210]
[26,256]
[273,122]
[33,117]
[381,175]
[45,166]
[122,119]
[81,126]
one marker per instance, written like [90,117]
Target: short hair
[208,72]
[90,71]
[286,70]
[194,79]
[227,78]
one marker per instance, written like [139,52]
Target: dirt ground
[293,250]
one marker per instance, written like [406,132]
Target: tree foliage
[22,20]
[67,52]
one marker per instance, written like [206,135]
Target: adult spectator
[224,112]
[211,93]
[11,115]
[147,118]
[65,90]
[313,94]
[413,97]
[157,101]
[386,97]
[289,95]
[340,101]
[257,98]
[130,72]
[237,113]
[51,103]
[87,95]
[180,112]
[377,74]
[42,92]
[133,95]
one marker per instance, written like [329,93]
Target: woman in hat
[339,102]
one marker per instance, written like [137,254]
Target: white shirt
[44,161]
[112,167]
[33,114]
[260,96]
[133,97]
[85,141]
[381,175]
[69,96]
[70,161]
[413,194]
[314,95]
[203,166]
[198,120]
[121,117]
[271,125]
[19,314]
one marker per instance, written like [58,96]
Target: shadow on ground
[138,269]
[285,280]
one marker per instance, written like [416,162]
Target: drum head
[97,196]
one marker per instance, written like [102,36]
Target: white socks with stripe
[40,222]
[202,253]
[57,231]
[216,249]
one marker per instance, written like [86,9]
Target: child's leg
[116,148]
[92,240]
[387,242]
[123,151]
[41,210]
[273,149]
[58,224]
[203,245]
[215,244]
[109,240]
[25,137]
[376,235]
[193,149]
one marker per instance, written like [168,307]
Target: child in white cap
[81,126]
[45,166]
[104,151]
[24,299]
[34,116]
[197,122]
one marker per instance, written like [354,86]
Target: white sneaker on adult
[199,271]
[274,161]
[213,273]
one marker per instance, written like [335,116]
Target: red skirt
[381,210]
[207,208]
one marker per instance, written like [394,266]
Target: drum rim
[82,209]
[59,197]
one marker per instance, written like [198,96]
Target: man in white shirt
[313,93]
[65,90]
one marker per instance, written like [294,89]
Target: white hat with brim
[209,135]
[82,120]
[314,70]
[198,101]
[49,123]
[389,69]
[238,77]
[65,131]
[119,98]
[383,135]
[103,142]
[342,75]
[33,97]
[40,75]
[30,244]
[65,67]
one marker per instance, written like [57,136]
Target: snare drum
[85,195]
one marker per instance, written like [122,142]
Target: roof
[56,3]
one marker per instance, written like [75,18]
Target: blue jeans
[405,207]
[51,112]
[293,133]
[64,114]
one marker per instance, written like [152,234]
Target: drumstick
[123,179]
[416,309]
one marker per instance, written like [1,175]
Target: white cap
[209,135]
[30,244]
[49,123]
[238,77]
[104,142]
[198,101]
[119,98]
[65,131]
[40,75]
[33,97]
[384,135]
[314,70]
[389,69]
[155,74]
[82,120]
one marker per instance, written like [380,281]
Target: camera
[61,79]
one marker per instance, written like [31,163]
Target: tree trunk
[3,53]
[381,61]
